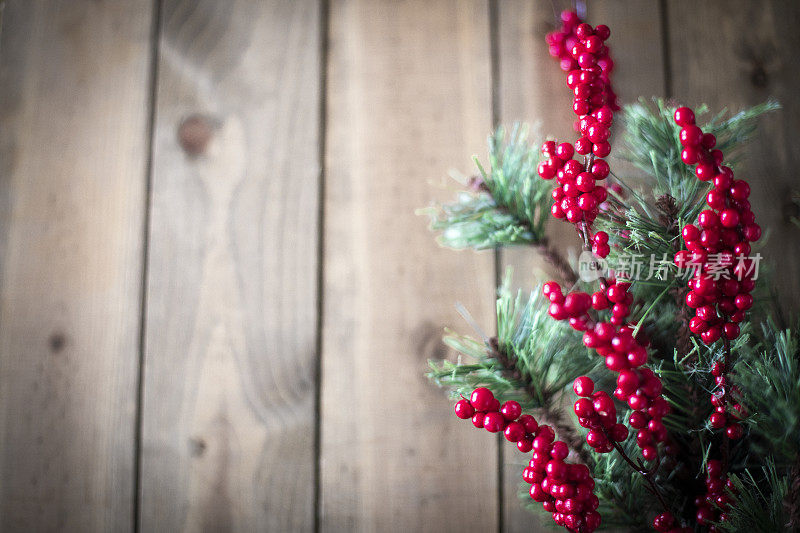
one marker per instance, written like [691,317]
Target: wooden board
[409,97]
[532,88]
[230,361]
[749,57]
[74,86]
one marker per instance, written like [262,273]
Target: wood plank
[74,105]
[749,56]
[532,87]
[409,97]
[230,361]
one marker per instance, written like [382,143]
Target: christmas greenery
[534,359]
[509,202]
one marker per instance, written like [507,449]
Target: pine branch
[758,502]
[509,204]
[532,360]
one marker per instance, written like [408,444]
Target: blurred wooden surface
[231,306]
[216,301]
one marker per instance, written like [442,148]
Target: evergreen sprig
[769,379]
[532,359]
[758,503]
[511,204]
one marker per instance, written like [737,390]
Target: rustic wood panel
[531,88]
[230,361]
[750,55]
[409,97]
[74,86]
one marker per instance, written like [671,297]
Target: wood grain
[750,55]
[531,88]
[409,97]
[230,361]
[74,86]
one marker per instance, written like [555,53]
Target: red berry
[583,386]
[601,250]
[663,522]
[691,136]
[602,31]
[650,453]
[752,232]
[600,169]
[638,420]
[740,190]
[514,432]
[734,431]
[564,151]
[481,399]
[684,116]
[601,149]
[525,445]
[599,301]
[714,468]
[560,451]
[619,432]
[551,286]
[704,171]
[743,302]
[690,232]
[730,330]
[729,218]
[511,410]
[704,515]
[464,409]
[583,408]
[718,420]
[494,422]
[477,420]
[690,155]
[529,423]
[598,133]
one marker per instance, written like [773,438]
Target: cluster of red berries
[722,417]
[624,353]
[596,412]
[666,522]
[566,490]
[579,195]
[562,46]
[718,245]
[712,506]
[487,413]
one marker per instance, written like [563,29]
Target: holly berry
[481,399]
[583,386]
[464,409]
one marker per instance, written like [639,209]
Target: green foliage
[769,379]
[652,145]
[534,359]
[513,207]
[758,502]
[546,355]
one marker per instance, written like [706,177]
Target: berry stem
[645,473]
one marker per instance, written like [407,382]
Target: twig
[558,261]
[646,473]
[551,417]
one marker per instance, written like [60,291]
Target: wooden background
[217,302]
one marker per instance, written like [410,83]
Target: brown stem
[647,474]
[557,261]
[549,416]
